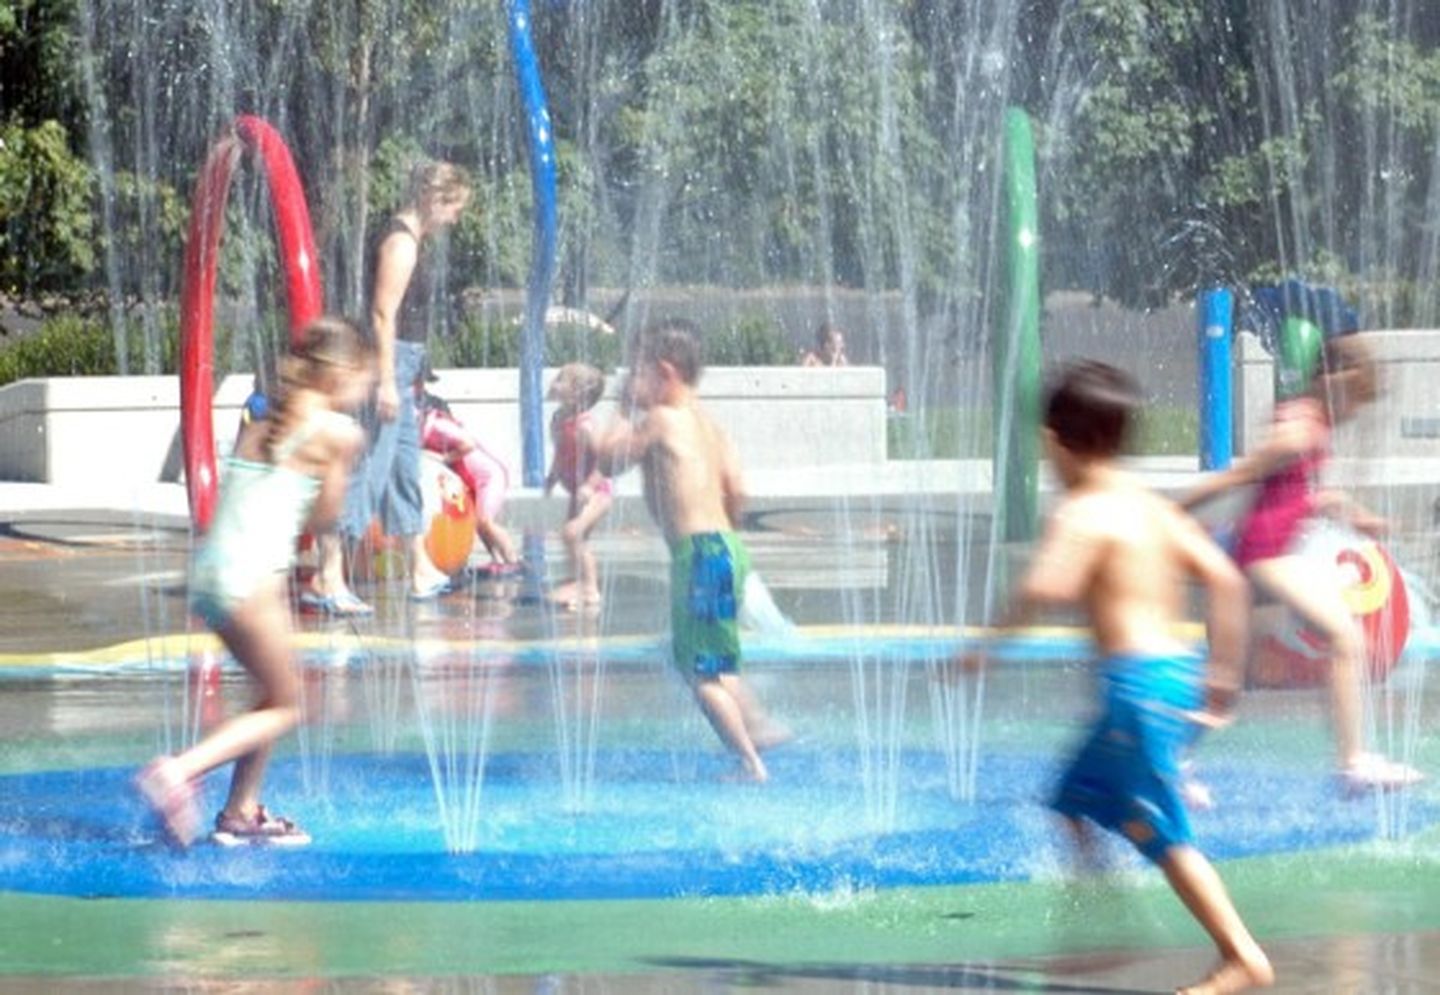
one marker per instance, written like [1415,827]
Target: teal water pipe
[1016,344]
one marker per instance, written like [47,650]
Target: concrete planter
[125,430]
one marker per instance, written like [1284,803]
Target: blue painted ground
[662,825]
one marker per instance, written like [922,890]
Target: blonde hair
[589,383]
[328,343]
[1349,354]
[436,181]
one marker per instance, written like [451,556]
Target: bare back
[691,473]
[1133,551]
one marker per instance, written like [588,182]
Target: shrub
[749,341]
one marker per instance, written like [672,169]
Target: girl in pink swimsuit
[483,472]
[578,388]
[1286,466]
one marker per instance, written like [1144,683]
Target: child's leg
[257,635]
[728,721]
[1242,963]
[575,533]
[496,540]
[1085,845]
[1292,580]
[763,731]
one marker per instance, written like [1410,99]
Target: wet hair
[589,383]
[326,344]
[823,333]
[1346,354]
[1089,406]
[675,341]
[434,180]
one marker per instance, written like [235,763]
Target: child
[694,492]
[577,388]
[829,347]
[1286,466]
[1119,551]
[288,474]
[441,432]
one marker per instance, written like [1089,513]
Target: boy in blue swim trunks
[694,492]
[1121,553]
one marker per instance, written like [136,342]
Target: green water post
[1016,343]
[1297,355]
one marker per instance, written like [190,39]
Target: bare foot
[567,593]
[1237,975]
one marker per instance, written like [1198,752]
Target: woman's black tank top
[412,317]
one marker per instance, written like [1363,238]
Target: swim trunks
[1126,776]
[707,586]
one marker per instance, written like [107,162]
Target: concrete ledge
[124,431]
[1402,426]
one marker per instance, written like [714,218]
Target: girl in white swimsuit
[288,475]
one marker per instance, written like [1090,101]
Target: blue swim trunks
[1126,776]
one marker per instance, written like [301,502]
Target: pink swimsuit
[481,470]
[1285,501]
[573,462]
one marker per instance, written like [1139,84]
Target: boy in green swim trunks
[694,492]
[1121,553]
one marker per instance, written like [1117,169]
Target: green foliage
[496,344]
[749,341]
[46,228]
[74,346]
[967,433]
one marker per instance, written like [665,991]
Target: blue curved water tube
[542,254]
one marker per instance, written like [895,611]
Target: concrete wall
[1403,424]
[78,430]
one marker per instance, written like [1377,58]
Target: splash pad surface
[653,822]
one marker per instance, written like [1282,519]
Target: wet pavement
[77,584]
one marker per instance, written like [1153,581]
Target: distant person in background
[577,388]
[404,285]
[829,348]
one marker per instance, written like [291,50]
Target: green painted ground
[1346,891]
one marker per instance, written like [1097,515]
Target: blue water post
[1217,434]
[542,252]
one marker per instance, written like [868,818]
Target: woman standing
[405,289]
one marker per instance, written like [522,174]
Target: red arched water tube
[303,291]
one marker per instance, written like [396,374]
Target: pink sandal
[172,798]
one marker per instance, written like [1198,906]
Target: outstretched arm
[1227,617]
[1286,441]
[622,443]
[1062,570]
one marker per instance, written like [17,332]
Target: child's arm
[732,483]
[624,443]
[1062,570]
[394,268]
[343,443]
[1227,615]
[1342,507]
[1287,440]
